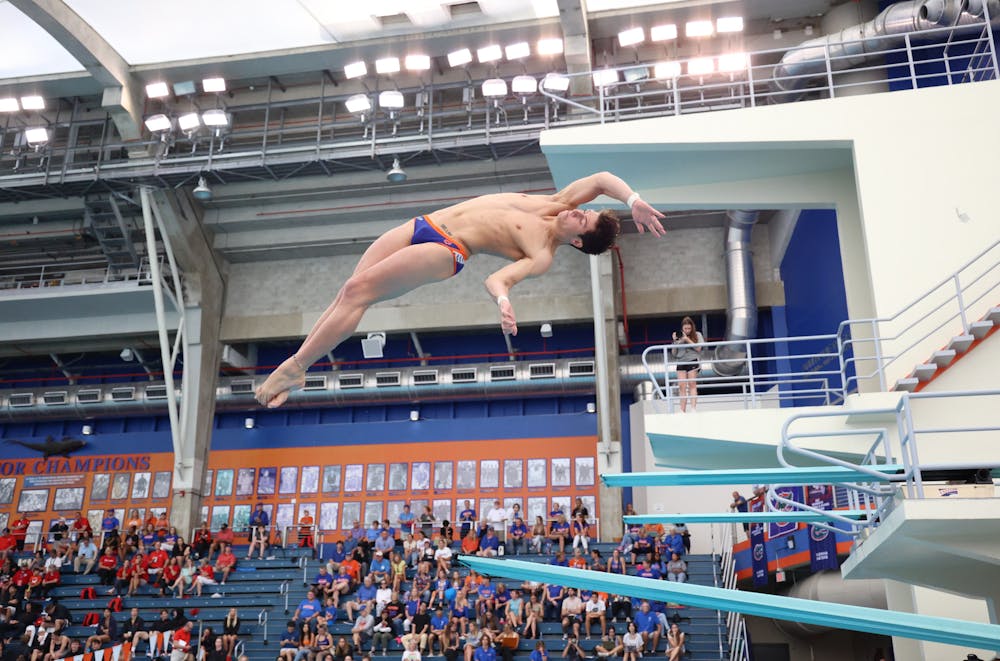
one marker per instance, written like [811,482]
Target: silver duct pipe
[385,386]
[828,586]
[853,45]
[741,294]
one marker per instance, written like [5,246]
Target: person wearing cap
[380,568]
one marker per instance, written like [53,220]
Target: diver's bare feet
[282,381]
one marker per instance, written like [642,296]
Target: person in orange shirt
[151,519]
[162,523]
[578,561]
[133,520]
[225,563]
[470,543]
[7,544]
[19,529]
[353,568]
[306,530]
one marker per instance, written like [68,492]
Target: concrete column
[609,420]
[204,287]
[846,15]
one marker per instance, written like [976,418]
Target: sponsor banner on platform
[822,542]
[758,549]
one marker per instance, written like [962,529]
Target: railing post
[961,303]
[989,40]
[750,373]
[878,355]
[829,68]
[753,97]
[909,60]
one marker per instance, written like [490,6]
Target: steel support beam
[608,389]
[576,44]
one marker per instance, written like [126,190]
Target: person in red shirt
[226,562]
[34,583]
[202,540]
[106,567]
[156,561]
[21,577]
[222,538]
[7,544]
[169,575]
[81,524]
[181,642]
[20,530]
[206,576]
[50,579]
[140,574]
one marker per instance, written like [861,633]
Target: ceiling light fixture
[631,37]
[358,103]
[549,46]
[418,62]
[185,88]
[9,104]
[733,62]
[665,70]
[355,70]
[699,29]
[701,66]
[395,175]
[495,88]
[214,85]
[459,57]
[663,32]
[490,53]
[35,136]
[202,191]
[158,123]
[157,90]
[729,24]
[524,85]
[390,99]
[32,102]
[189,122]
[387,65]
[249,423]
[555,82]
[517,51]
[215,118]
[636,74]
[605,77]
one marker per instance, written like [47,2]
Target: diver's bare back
[511,225]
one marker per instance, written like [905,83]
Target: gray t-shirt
[684,352]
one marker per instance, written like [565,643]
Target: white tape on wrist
[501,298]
[632,199]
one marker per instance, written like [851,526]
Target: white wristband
[631,199]
[501,298]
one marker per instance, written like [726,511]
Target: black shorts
[688,367]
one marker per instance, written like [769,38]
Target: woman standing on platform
[688,362]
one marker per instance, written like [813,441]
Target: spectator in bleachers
[305,645]
[534,614]
[577,561]
[110,522]
[611,645]
[309,609]
[489,545]
[676,569]
[687,359]
[410,651]
[225,563]
[467,519]
[134,630]
[181,549]
[507,641]
[342,650]
[559,531]
[130,543]
[397,568]
[106,567]
[427,520]
[486,596]
[181,643]
[185,577]
[559,560]
[442,555]
[206,576]
[497,516]
[259,523]
[19,529]
[383,595]
[289,642]
[632,643]
[7,544]
[595,611]
[439,631]
[383,633]
[362,629]
[322,643]
[341,584]
[156,560]
[384,543]
[86,554]
[356,565]
[134,520]
[447,532]
[306,522]
[139,575]
[207,639]
[538,535]
[648,625]
[485,651]
[202,540]
[675,642]
[363,598]
[223,538]
[516,535]
[405,520]
[147,538]
[81,524]
[337,556]
[162,523]
[646,569]
[380,569]
[553,602]
[470,543]
[572,613]
[597,561]
[106,632]
[673,542]
[170,540]
[322,584]
[230,631]
[462,613]
[580,530]
[356,534]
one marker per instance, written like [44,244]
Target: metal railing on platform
[724,560]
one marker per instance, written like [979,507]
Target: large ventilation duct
[853,45]
[566,376]
[830,587]
[741,311]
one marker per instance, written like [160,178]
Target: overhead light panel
[549,46]
[733,62]
[666,70]
[158,123]
[459,57]
[663,32]
[701,66]
[37,135]
[490,53]
[185,88]
[32,102]
[495,88]
[517,51]
[9,104]
[418,62]
[215,118]
[729,24]
[605,77]
[631,37]
[387,65]
[213,85]
[636,74]
[699,29]
[391,99]
[157,90]
[358,103]
[356,70]
[524,85]
[555,82]
[189,122]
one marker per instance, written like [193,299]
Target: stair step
[979,329]
[943,357]
[925,372]
[909,384]
[993,315]
[961,343]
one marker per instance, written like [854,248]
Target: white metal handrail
[57,275]
[723,539]
[262,622]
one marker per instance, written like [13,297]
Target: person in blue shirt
[540,653]
[648,624]
[486,597]
[322,583]
[485,652]
[388,527]
[309,608]
[553,603]
[356,534]
[110,521]
[371,534]
[489,545]
[289,643]
[439,630]
[645,570]
[365,596]
[259,522]
[337,556]
[559,560]
[406,520]
[674,543]
[380,569]
[559,531]
[467,517]
[518,531]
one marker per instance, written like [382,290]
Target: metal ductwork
[830,587]
[741,294]
[565,376]
[853,45]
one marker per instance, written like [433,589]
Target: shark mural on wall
[53,448]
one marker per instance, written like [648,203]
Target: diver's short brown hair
[603,236]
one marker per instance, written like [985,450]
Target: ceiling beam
[121,95]
[576,43]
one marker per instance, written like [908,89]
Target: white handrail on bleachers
[262,623]
[723,539]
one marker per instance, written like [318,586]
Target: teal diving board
[856,618]
[805,475]
[746,517]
